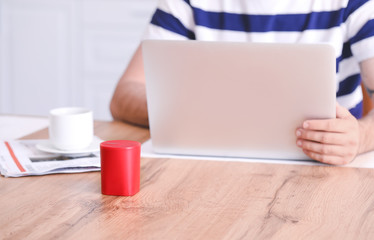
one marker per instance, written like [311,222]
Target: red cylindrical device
[120,167]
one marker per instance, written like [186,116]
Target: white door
[66,52]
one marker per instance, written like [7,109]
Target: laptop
[232,99]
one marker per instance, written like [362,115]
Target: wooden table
[192,199]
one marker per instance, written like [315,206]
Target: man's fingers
[327,125]
[322,137]
[328,159]
[323,149]
[330,125]
[342,112]
[332,141]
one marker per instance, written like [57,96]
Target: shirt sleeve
[360,28]
[173,20]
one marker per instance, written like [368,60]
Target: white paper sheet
[362,161]
[21,158]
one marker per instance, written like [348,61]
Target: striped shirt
[348,25]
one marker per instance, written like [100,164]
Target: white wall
[66,52]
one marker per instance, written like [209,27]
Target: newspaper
[20,158]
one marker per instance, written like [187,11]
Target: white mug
[70,128]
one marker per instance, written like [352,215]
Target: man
[348,25]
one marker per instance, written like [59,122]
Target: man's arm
[338,141]
[367,123]
[129,101]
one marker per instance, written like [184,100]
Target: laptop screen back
[235,99]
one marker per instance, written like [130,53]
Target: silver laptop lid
[236,99]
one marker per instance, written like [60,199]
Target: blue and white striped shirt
[348,25]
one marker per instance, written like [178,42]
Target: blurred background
[56,53]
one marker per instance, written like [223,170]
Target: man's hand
[332,141]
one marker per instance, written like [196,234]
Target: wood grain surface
[192,199]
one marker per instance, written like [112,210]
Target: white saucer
[46,146]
